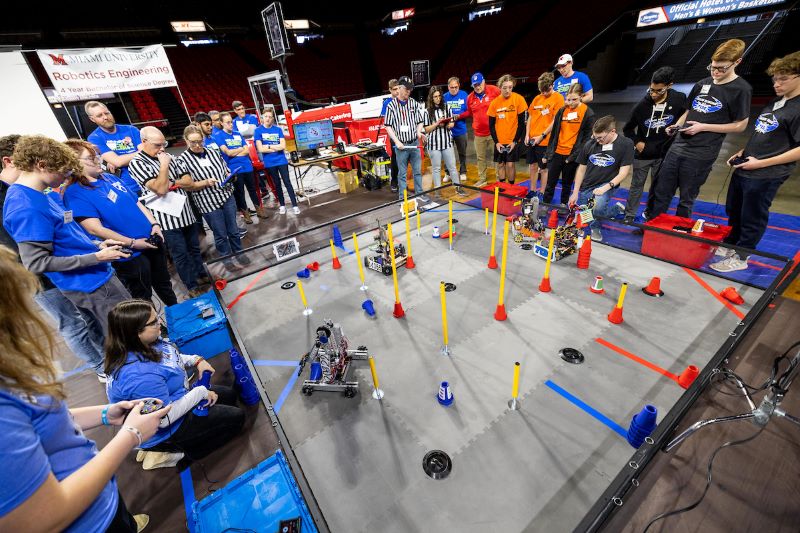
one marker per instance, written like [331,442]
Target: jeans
[600,208]
[747,205]
[197,436]
[281,174]
[683,173]
[81,331]
[460,144]
[185,249]
[222,222]
[640,170]
[146,272]
[404,157]
[449,162]
[558,166]
[245,180]
[98,303]
[483,146]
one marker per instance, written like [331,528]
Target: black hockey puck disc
[437,464]
[288,285]
[571,355]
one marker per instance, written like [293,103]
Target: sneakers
[296,210]
[597,235]
[730,264]
[393,188]
[721,251]
[619,209]
[248,218]
[141,522]
[243,260]
[480,183]
[102,378]
[424,198]
[282,210]
[195,292]
[230,266]
[242,232]
[629,219]
[463,178]
[460,191]
[261,211]
[445,179]
[155,460]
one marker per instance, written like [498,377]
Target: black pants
[280,174]
[558,166]
[123,520]
[460,143]
[198,436]
[681,173]
[146,272]
[245,180]
[393,181]
[747,205]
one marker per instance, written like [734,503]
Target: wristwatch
[613,185]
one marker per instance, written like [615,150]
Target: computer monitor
[312,135]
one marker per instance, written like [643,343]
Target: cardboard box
[348,181]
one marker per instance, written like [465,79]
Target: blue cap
[476,79]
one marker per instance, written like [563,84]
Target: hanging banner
[77,73]
[697,9]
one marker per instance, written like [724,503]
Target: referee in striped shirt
[213,195]
[158,172]
[403,122]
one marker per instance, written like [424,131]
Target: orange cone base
[446,235]
[336,264]
[500,312]
[597,291]
[410,262]
[492,262]
[732,295]
[544,286]
[220,284]
[688,376]
[583,264]
[654,288]
[398,310]
[615,316]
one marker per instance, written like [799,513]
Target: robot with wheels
[528,227]
[330,362]
[567,236]
[383,261]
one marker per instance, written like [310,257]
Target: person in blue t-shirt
[106,209]
[54,478]
[236,153]
[244,122]
[216,122]
[142,365]
[271,144]
[206,125]
[569,77]
[456,101]
[117,143]
[50,240]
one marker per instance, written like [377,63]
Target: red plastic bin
[505,206]
[682,251]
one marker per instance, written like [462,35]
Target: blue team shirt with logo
[562,84]
[270,136]
[32,216]
[233,140]
[125,140]
[457,104]
[240,124]
[209,142]
[604,161]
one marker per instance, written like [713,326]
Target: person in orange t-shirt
[541,112]
[507,127]
[571,128]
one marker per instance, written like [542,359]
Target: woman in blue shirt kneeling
[139,362]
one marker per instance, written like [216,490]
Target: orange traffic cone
[579,221]
[732,295]
[597,288]
[313,266]
[398,312]
[654,288]
[615,316]
[585,253]
[544,286]
[500,312]
[336,264]
[552,221]
[492,261]
[220,284]
[688,376]
[410,262]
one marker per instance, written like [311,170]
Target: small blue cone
[305,273]
[236,357]
[368,307]
[642,426]
[202,407]
[315,374]
[244,382]
[445,395]
[337,237]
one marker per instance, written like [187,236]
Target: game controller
[155,239]
[126,250]
[151,405]
[738,160]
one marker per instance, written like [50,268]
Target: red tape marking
[247,289]
[638,359]
[714,293]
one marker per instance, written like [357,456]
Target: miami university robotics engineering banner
[107,70]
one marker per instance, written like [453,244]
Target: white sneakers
[152,460]
[282,210]
[597,235]
[721,251]
[296,210]
[731,263]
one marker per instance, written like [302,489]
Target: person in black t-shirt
[604,162]
[771,154]
[718,105]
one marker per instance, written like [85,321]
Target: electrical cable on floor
[708,480]
[716,203]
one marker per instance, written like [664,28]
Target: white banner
[107,70]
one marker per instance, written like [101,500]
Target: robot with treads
[528,227]
[382,262]
[567,236]
[330,362]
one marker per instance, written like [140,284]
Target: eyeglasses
[195,143]
[93,159]
[782,79]
[723,70]
[159,145]
[659,92]
[602,137]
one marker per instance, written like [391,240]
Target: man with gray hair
[116,143]
[216,121]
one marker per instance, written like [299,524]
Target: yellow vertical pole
[549,254]
[360,264]
[500,299]
[377,393]
[408,232]
[514,403]
[443,298]
[450,222]
[419,216]
[494,219]
[486,221]
[394,266]
[306,310]
[622,292]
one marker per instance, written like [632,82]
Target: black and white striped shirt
[208,165]
[144,168]
[404,119]
[441,138]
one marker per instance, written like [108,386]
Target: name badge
[501,115]
[538,106]
[112,196]
[572,115]
[405,128]
[67,217]
[660,107]
[573,81]
[545,111]
[779,104]
[608,147]
[704,89]
[205,163]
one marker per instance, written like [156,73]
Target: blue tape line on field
[78,370]
[187,486]
[268,362]
[446,210]
[285,392]
[589,409]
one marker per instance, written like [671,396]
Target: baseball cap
[476,78]
[564,59]
[405,81]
